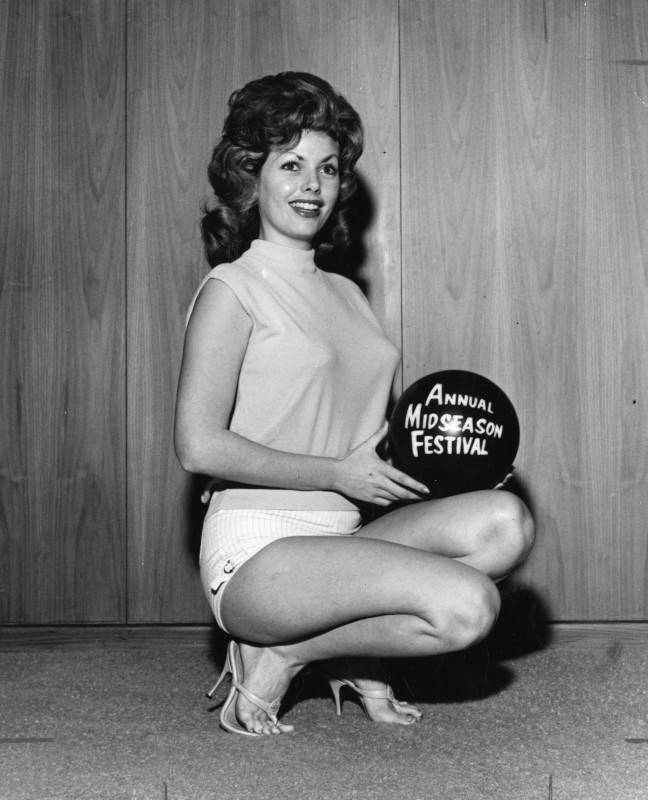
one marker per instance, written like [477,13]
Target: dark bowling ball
[455,431]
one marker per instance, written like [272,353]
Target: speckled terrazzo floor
[123,715]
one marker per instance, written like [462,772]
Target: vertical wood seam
[400,193]
[125,564]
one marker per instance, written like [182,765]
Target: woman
[282,396]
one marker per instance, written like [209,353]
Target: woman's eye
[290,166]
[329,169]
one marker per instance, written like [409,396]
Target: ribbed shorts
[231,536]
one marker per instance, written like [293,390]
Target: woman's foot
[382,706]
[267,672]
[386,709]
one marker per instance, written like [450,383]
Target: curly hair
[268,113]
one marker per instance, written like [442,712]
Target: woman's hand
[363,475]
[504,480]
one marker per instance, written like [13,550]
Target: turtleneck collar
[284,258]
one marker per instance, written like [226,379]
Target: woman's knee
[470,614]
[511,527]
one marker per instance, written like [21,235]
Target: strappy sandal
[228,719]
[337,684]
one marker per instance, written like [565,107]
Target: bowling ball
[454,431]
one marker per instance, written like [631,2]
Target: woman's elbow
[186,454]
[190,452]
[203,452]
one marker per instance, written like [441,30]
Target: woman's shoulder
[347,287]
[235,275]
[239,268]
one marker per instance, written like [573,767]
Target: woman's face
[297,190]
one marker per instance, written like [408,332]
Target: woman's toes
[401,707]
[395,719]
[260,725]
[402,719]
[267,675]
[392,711]
[253,726]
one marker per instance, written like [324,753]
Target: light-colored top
[318,369]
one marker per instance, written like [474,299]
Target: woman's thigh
[454,527]
[301,586]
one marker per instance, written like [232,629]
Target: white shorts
[233,535]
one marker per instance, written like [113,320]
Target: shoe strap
[375,694]
[372,694]
[270,709]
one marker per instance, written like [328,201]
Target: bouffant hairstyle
[265,114]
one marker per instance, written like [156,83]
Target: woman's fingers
[396,485]
[401,479]
[362,474]
[504,480]
[405,480]
[397,492]
[393,473]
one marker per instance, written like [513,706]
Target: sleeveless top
[318,369]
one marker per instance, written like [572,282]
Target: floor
[536,712]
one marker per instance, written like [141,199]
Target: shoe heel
[227,670]
[221,678]
[336,685]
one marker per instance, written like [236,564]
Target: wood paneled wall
[506,170]
[525,248]
[62,409]
[184,61]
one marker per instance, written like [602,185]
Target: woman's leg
[492,531]
[305,599]
[353,601]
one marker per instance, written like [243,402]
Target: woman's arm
[215,344]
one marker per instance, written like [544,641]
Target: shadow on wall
[353,264]
[194,513]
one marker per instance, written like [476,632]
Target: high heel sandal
[337,684]
[228,720]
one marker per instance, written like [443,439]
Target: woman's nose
[311,181]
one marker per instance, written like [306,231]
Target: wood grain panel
[611,310]
[184,59]
[62,509]
[524,249]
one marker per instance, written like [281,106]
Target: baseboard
[630,633]
[200,636]
[204,636]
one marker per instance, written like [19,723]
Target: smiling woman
[267,121]
[284,385]
[297,190]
